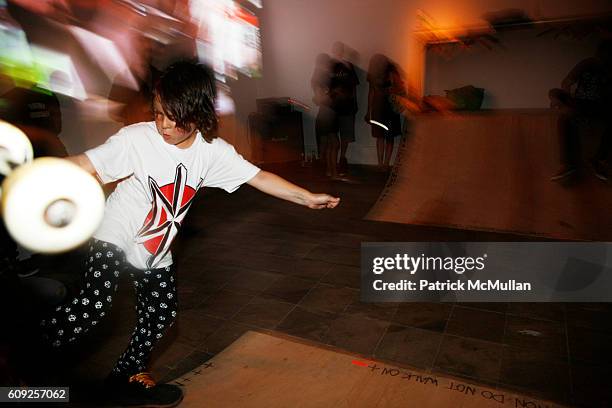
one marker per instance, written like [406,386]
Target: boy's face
[181,138]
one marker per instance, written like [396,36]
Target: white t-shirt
[143,214]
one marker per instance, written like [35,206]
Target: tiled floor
[250,261]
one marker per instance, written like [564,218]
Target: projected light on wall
[48,69]
[228,36]
[60,73]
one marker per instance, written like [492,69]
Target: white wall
[295,31]
[516,76]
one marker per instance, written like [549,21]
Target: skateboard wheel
[51,205]
[15,148]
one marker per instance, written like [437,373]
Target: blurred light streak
[61,74]
[107,56]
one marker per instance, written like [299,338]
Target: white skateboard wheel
[15,148]
[51,205]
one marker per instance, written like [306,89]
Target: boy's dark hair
[187,93]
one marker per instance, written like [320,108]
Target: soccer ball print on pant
[68,322]
[156,308]
[155,290]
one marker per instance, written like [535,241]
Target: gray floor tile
[588,345]
[541,374]
[537,335]
[289,289]
[356,334]
[336,254]
[252,282]
[428,316]
[409,345]
[591,385]
[329,298]
[225,335]
[477,323]
[469,357]
[310,269]
[381,311]
[224,304]
[543,311]
[263,313]
[309,324]
[193,326]
[343,275]
[592,316]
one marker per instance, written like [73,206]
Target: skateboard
[49,205]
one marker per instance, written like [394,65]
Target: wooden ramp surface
[260,370]
[491,171]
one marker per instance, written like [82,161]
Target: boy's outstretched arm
[278,187]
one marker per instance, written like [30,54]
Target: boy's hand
[278,187]
[320,201]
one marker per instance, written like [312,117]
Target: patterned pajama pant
[156,305]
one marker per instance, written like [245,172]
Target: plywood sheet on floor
[261,370]
[491,171]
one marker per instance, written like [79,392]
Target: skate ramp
[491,171]
[261,370]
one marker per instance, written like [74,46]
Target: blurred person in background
[585,102]
[343,86]
[381,115]
[326,122]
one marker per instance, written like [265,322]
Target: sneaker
[140,390]
[600,168]
[564,172]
